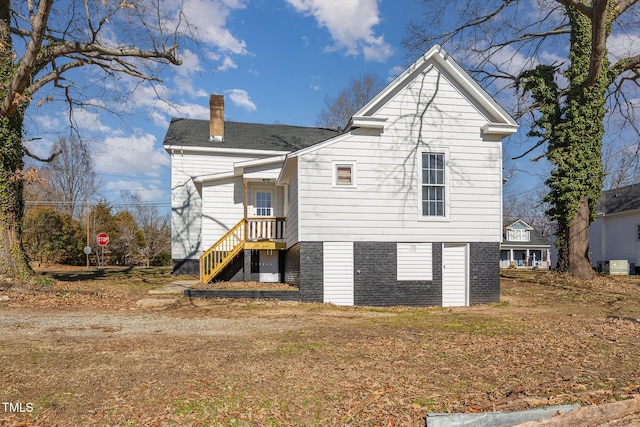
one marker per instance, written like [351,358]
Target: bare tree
[621,166]
[555,52]
[70,177]
[338,111]
[41,46]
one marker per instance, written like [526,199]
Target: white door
[338,272]
[454,275]
[264,203]
[268,262]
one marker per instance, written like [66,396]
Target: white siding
[186,198]
[454,275]
[338,272]
[222,208]
[291,227]
[385,204]
[616,237]
[415,261]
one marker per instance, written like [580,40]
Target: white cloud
[130,155]
[227,64]
[147,192]
[350,23]
[240,98]
[209,18]
[395,72]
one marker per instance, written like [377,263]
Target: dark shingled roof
[248,136]
[621,199]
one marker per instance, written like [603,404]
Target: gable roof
[620,200]
[519,224]
[535,237]
[194,133]
[501,122]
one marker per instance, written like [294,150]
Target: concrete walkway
[174,288]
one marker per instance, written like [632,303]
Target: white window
[518,235]
[344,174]
[433,185]
[263,203]
[414,261]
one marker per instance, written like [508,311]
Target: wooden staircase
[221,253]
[266,233]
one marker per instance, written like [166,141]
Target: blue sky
[274,60]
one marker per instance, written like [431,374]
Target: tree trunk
[13,261]
[578,251]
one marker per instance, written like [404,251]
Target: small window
[344,174]
[638,232]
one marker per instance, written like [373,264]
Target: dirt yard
[79,351]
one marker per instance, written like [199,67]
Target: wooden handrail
[222,252]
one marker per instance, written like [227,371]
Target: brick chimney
[216,118]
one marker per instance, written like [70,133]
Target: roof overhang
[253,169]
[177,149]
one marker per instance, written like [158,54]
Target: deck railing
[221,253]
[265,228]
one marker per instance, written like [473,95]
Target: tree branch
[41,159]
[23,73]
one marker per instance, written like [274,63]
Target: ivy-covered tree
[40,46]
[556,53]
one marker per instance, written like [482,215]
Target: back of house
[402,208]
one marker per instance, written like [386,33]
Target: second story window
[518,235]
[344,174]
[433,184]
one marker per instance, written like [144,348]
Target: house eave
[368,122]
[499,129]
[173,149]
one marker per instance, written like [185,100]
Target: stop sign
[103,239]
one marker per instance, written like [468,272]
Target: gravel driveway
[88,323]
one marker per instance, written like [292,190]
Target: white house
[524,247]
[615,234]
[402,208]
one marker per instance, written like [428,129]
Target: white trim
[368,122]
[182,148]
[213,177]
[334,171]
[499,129]
[437,55]
[259,162]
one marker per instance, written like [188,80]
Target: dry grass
[551,340]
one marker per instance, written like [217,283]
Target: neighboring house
[402,208]
[615,234]
[524,247]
